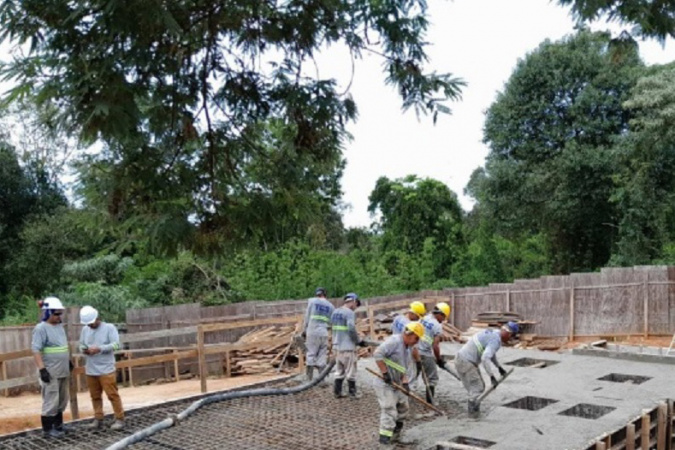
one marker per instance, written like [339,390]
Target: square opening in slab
[474,442]
[532,362]
[530,403]
[587,411]
[623,378]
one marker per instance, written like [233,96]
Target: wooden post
[662,414]
[644,430]
[646,306]
[72,387]
[176,374]
[228,364]
[630,436]
[600,446]
[301,361]
[508,300]
[371,321]
[131,370]
[571,313]
[452,301]
[78,380]
[202,357]
[3,368]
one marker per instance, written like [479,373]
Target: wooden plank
[508,301]
[131,370]
[16,382]
[571,335]
[644,430]
[176,373]
[371,322]
[600,446]
[662,414]
[74,406]
[456,446]
[228,364]
[15,355]
[231,326]
[630,436]
[202,357]
[3,365]
[452,313]
[646,307]
[150,335]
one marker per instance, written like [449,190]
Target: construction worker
[345,340]
[482,348]
[50,351]
[416,312]
[98,341]
[315,331]
[430,348]
[392,358]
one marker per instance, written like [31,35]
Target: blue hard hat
[351,296]
[513,327]
[320,291]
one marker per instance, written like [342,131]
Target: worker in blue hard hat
[345,341]
[315,331]
[482,349]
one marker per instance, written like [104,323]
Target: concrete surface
[574,380]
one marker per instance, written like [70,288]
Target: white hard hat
[52,303]
[88,315]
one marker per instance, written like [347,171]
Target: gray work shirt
[106,338]
[399,323]
[343,323]
[51,341]
[395,355]
[483,348]
[317,317]
[432,328]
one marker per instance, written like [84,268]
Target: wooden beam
[15,355]
[131,370]
[600,446]
[149,335]
[630,436]
[507,306]
[202,357]
[371,322]
[228,364]
[3,368]
[232,326]
[147,360]
[662,414]
[176,373]
[16,382]
[644,430]
[646,306]
[571,335]
[452,313]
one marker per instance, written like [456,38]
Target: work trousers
[431,369]
[471,378]
[317,350]
[108,384]
[393,407]
[55,396]
[345,365]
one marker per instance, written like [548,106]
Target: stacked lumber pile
[263,359]
[532,341]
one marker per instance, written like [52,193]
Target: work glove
[440,363]
[44,375]
[70,366]
[494,381]
[406,387]
[387,377]
[418,367]
[502,372]
[303,335]
[362,343]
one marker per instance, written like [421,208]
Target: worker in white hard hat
[98,342]
[50,351]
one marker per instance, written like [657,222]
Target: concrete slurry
[573,380]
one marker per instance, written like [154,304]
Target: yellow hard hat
[444,308]
[417,328]
[418,308]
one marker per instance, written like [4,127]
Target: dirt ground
[23,412]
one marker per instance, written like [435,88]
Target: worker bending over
[392,358]
[482,348]
[315,331]
[430,348]
[345,340]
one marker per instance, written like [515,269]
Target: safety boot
[397,431]
[117,425]
[310,372]
[474,409]
[337,390]
[95,425]
[352,390]
[58,423]
[385,441]
[431,394]
[48,429]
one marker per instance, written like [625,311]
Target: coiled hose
[173,420]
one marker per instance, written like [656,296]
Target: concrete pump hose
[170,421]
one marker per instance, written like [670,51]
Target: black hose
[173,420]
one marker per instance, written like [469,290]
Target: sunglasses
[58,313]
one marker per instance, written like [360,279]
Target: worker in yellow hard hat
[416,311]
[393,357]
[430,348]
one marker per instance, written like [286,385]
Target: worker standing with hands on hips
[430,346]
[98,341]
[392,358]
[315,331]
[482,349]
[345,340]
[50,351]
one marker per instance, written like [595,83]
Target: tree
[188,95]
[551,132]
[413,210]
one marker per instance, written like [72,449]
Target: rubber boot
[58,423]
[50,430]
[46,425]
[397,431]
[385,441]
[95,425]
[431,394]
[352,390]
[474,409]
[310,372]
[337,388]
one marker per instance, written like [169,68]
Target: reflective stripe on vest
[322,318]
[428,339]
[340,328]
[479,346]
[394,365]
[51,350]
[387,433]
[116,346]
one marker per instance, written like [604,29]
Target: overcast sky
[477,40]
